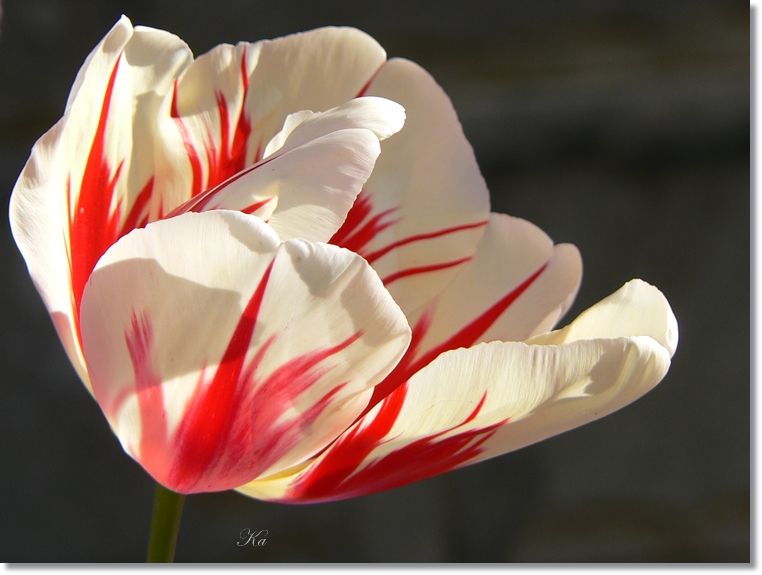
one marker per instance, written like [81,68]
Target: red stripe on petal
[422,270]
[373,256]
[242,127]
[229,157]
[200,202]
[364,89]
[348,452]
[357,230]
[255,206]
[197,184]
[131,221]
[210,412]
[341,473]
[236,425]
[93,227]
[153,416]
[411,363]
[256,434]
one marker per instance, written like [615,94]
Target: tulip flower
[269,284]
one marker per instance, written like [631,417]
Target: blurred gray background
[619,126]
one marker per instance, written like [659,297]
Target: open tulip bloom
[275,269]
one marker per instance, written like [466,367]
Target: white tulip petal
[516,284]
[425,206]
[515,281]
[218,354]
[472,404]
[91,178]
[637,308]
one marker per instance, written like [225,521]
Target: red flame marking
[353,235]
[339,474]
[336,476]
[373,256]
[197,185]
[422,270]
[465,337]
[255,206]
[233,427]
[207,418]
[230,157]
[153,416]
[131,221]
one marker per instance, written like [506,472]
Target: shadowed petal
[218,354]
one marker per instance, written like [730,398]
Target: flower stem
[165,524]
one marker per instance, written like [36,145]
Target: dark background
[622,127]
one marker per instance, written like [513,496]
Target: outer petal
[218,354]
[90,178]
[472,404]
[232,100]
[317,166]
[425,206]
[517,284]
[637,308]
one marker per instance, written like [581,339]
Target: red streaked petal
[90,178]
[422,270]
[304,192]
[232,100]
[516,281]
[207,112]
[346,470]
[472,404]
[250,381]
[426,204]
[516,284]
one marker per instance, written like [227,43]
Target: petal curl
[90,178]
[637,308]
[379,115]
[218,354]
[424,208]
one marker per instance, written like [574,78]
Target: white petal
[425,206]
[218,354]
[637,308]
[305,192]
[379,115]
[516,284]
[90,178]
[470,405]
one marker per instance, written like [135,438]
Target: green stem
[165,524]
